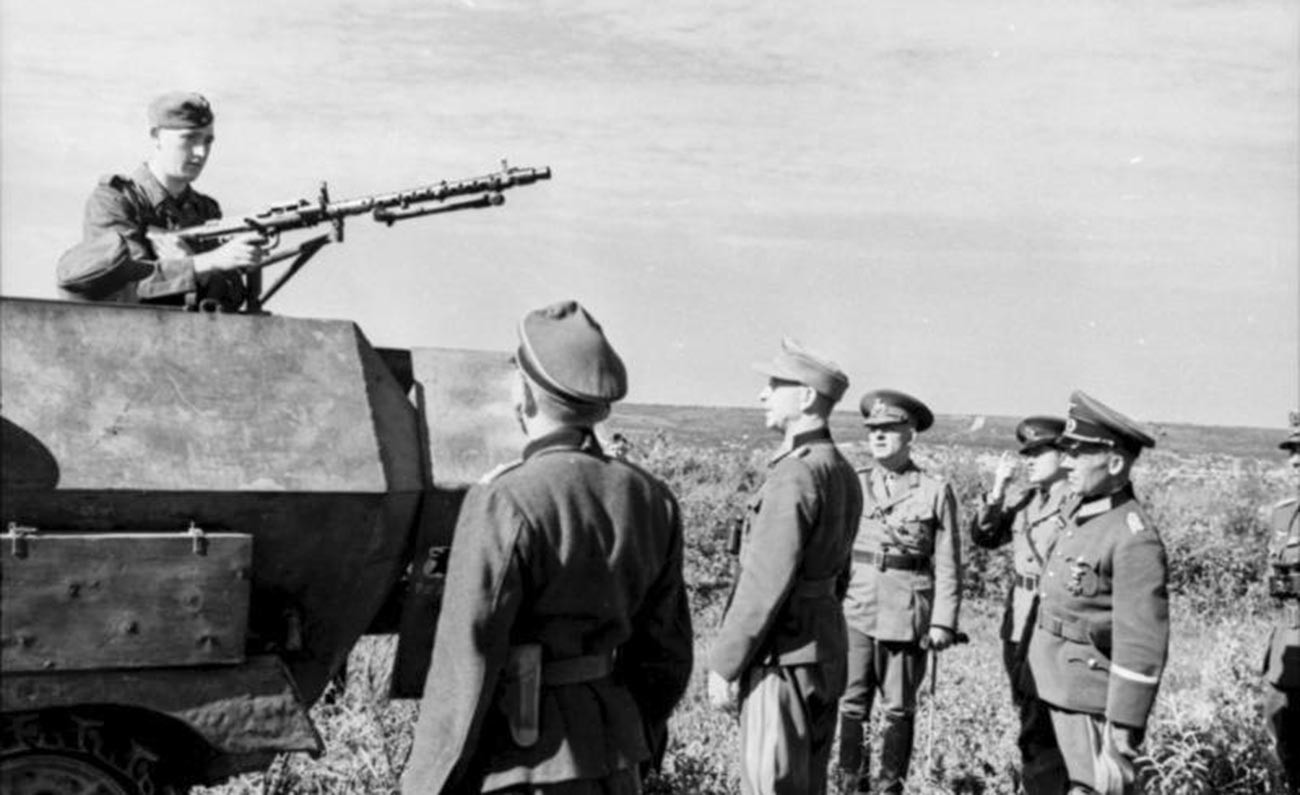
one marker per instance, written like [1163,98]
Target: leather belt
[1028,583]
[1067,628]
[576,670]
[884,561]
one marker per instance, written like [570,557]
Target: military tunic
[580,555]
[1087,657]
[1282,663]
[1030,521]
[783,634]
[129,207]
[906,579]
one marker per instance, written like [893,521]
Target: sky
[987,205]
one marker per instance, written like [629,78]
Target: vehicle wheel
[68,754]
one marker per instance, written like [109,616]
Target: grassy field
[1204,488]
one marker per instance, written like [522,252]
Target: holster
[521,693]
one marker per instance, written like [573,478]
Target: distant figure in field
[781,648]
[1030,519]
[1101,638]
[564,640]
[1282,666]
[116,260]
[619,446]
[905,591]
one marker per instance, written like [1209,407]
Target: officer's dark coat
[800,534]
[1103,625]
[1282,666]
[583,555]
[1029,520]
[116,261]
[919,519]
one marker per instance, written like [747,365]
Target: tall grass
[1206,733]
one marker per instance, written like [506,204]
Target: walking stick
[960,638]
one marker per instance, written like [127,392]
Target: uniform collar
[822,434]
[572,438]
[1053,496]
[1095,506]
[153,189]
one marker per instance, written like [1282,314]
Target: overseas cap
[563,350]
[1292,442]
[888,406]
[797,363]
[180,110]
[1035,433]
[1093,422]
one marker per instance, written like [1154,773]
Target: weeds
[1206,733]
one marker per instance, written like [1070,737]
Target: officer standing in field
[564,639]
[116,260]
[781,647]
[1282,665]
[1102,634]
[905,591]
[1029,518]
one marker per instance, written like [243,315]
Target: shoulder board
[1134,522]
[500,470]
[1285,502]
[115,181]
[863,470]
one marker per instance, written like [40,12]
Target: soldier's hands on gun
[239,253]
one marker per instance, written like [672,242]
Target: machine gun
[387,208]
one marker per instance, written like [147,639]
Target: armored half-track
[203,513]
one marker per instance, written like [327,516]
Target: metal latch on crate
[17,536]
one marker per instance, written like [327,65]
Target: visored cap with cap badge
[1292,442]
[800,365]
[1039,432]
[1090,421]
[563,350]
[889,406]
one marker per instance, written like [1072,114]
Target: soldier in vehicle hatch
[564,639]
[1029,519]
[1282,666]
[117,262]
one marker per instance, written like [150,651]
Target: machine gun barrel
[303,214]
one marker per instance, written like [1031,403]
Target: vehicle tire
[70,754]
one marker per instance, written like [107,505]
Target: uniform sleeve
[472,641]
[109,211]
[1140,625]
[655,662]
[769,565]
[947,563]
[991,526]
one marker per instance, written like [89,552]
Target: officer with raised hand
[564,639]
[1101,637]
[118,262]
[1029,519]
[781,647]
[1282,665]
[905,592]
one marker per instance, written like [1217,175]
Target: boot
[852,771]
[895,751]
